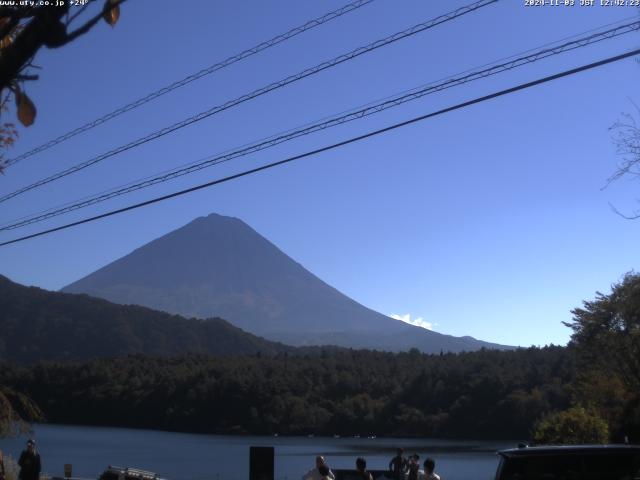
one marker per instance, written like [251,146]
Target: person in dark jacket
[361,469]
[413,467]
[398,465]
[29,462]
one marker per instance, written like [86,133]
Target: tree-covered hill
[38,325]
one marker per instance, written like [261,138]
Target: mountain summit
[218,266]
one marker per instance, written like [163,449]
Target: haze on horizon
[489,222]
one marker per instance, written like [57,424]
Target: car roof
[568,449]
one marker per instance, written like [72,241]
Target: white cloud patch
[418,322]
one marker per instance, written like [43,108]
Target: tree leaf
[6,41]
[111,14]
[26,109]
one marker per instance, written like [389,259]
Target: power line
[310,128]
[494,62]
[358,138]
[328,123]
[256,93]
[193,77]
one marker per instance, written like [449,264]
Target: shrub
[573,426]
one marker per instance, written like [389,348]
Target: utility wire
[373,133]
[193,77]
[494,62]
[261,91]
[328,123]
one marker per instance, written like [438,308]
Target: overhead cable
[351,140]
[328,123]
[421,27]
[193,77]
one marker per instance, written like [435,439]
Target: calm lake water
[179,456]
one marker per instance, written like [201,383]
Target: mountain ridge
[220,266]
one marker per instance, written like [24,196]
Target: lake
[181,456]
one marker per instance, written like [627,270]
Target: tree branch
[27,77]
[635,215]
[20,12]
[41,30]
[44,29]
[8,27]
[108,6]
[78,13]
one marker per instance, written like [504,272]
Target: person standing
[413,467]
[314,473]
[29,462]
[324,473]
[398,465]
[429,467]
[361,469]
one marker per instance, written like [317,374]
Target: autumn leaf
[111,13]
[26,109]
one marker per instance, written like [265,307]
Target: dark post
[261,463]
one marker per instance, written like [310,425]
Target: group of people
[403,468]
[400,468]
[29,463]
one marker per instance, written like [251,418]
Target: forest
[483,394]
[588,391]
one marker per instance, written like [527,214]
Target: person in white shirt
[429,467]
[324,472]
[314,473]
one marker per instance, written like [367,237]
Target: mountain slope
[219,266]
[38,325]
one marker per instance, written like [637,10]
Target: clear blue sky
[489,221]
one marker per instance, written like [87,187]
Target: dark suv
[578,462]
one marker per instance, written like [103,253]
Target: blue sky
[490,221]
